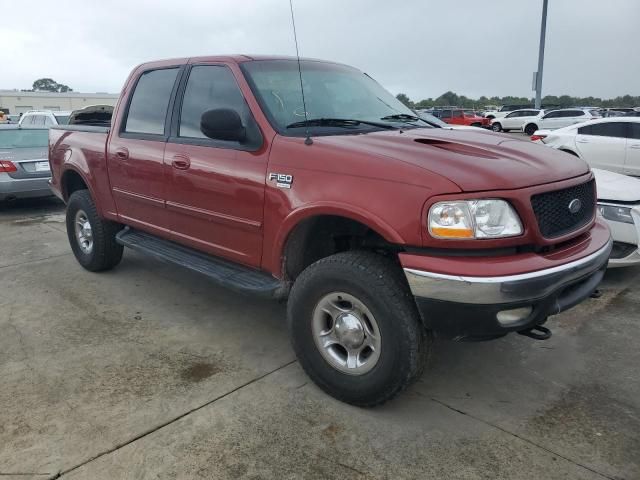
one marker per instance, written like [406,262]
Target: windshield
[19,138]
[62,119]
[331,92]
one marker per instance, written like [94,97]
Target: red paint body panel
[223,203]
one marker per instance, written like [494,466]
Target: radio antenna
[308,140]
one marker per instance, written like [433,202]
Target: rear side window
[573,113]
[150,100]
[457,113]
[445,114]
[609,129]
[210,87]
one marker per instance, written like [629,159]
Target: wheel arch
[299,239]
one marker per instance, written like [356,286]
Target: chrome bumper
[507,289]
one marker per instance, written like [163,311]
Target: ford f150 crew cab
[380,230]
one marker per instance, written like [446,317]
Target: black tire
[379,284]
[530,129]
[105,253]
[496,127]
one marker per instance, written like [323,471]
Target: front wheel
[530,129]
[496,127]
[92,238]
[355,328]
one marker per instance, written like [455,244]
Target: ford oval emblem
[575,205]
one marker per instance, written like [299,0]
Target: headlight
[474,219]
[616,214]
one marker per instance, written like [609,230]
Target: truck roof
[234,58]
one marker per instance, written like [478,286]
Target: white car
[515,120]
[619,205]
[560,118]
[608,143]
[503,111]
[44,118]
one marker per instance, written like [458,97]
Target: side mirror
[222,124]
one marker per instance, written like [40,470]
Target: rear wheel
[355,328]
[530,129]
[92,239]
[496,127]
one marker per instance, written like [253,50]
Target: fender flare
[291,221]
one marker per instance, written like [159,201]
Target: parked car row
[458,116]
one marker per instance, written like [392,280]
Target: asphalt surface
[149,371]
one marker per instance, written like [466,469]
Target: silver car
[24,163]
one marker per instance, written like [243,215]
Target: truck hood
[616,187]
[474,160]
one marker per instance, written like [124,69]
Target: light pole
[543,34]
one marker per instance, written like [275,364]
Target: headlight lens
[474,219]
[615,213]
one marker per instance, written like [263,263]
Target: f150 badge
[282,180]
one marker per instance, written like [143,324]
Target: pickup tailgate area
[77,156]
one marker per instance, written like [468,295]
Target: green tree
[50,85]
[404,99]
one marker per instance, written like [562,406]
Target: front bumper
[11,188]
[466,308]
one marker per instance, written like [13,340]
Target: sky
[419,47]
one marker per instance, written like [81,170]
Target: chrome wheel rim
[84,233]
[346,333]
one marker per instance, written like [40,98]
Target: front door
[602,145]
[136,151]
[215,189]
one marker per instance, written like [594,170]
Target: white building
[15,101]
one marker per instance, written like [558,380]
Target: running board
[234,276]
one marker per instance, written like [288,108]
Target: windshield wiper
[337,122]
[402,117]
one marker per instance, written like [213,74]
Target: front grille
[552,209]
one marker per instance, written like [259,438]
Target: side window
[38,120]
[211,87]
[512,115]
[586,130]
[552,115]
[457,114]
[610,129]
[574,113]
[634,130]
[48,121]
[445,114]
[148,106]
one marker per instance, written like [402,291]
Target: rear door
[603,145]
[632,162]
[136,151]
[215,188]
[569,117]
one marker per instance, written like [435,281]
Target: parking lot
[148,369]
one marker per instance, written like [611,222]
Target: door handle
[122,153]
[582,140]
[635,146]
[181,162]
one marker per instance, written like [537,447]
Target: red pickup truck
[378,228]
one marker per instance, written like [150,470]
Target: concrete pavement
[149,371]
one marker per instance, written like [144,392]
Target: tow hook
[537,333]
